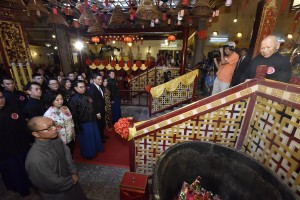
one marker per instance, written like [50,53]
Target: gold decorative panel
[12,42]
[221,126]
[273,139]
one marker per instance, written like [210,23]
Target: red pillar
[184,50]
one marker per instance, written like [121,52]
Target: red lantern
[171,38]
[54,11]
[202,34]
[88,61]
[164,16]
[105,62]
[121,63]
[94,8]
[113,63]
[129,63]
[97,62]
[138,63]
[127,39]
[185,2]
[95,39]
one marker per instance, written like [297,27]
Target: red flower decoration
[129,63]
[97,62]
[88,61]
[138,63]
[113,63]
[121,63]
[105,62]
[148,88]
[121,127]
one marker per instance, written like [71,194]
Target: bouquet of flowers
[121,127]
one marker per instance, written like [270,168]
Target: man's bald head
[269,45]
[43,128]
[33,123]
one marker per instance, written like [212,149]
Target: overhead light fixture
[47,44]
[228,2]
[239,34]
[55,47]
[218,39]
[215,33]
[235,20]
[53,36]
[78,45]
[289,36]
[129,44]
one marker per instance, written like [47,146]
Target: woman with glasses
[62,118]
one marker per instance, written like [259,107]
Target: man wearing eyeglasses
[49,163]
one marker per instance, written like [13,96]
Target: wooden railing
[261,118]
[170,94]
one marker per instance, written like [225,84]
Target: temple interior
[173,127]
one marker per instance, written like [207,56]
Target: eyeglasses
[48,128]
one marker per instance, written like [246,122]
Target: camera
[214,54]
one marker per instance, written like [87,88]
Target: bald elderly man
[49,163]
[279,66]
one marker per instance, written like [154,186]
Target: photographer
[225,67]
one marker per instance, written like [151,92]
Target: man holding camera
[225,67]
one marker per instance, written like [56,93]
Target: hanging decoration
[202,34]
[127,39]
[95,39]
[113,63]
[97,62]
[129,63]
[88,61]
[138,63]
[171,38]
[105,62]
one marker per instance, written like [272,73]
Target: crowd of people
[230,68]
[39,127]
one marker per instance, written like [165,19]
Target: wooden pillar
[184,50]
[199,43]
[63,44]
[266,15]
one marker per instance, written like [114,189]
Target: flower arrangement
[121,127]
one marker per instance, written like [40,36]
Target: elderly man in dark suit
[241,67]
[96,93]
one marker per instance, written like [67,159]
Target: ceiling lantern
[95,39]
[171,38]
[147,10]
[128,39]
[118,18]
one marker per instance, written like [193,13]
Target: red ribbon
[283,5]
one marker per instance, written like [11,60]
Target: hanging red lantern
[171,38]
[95,39]
[97,62]
[138,63]
[202,34]
[105,62]
[54,11]
[128,39]
[185,2]
[129,63]
[164,16]
[88,61]
[121,63]
[113,63]
[94,8]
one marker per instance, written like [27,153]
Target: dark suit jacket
[239,71]
[98,99]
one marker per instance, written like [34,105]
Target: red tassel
[54,11]
[185,2]
[106,2]
[244,6]
[80,9]
[86,3]
[94,8]
[283,6]
[164,16]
